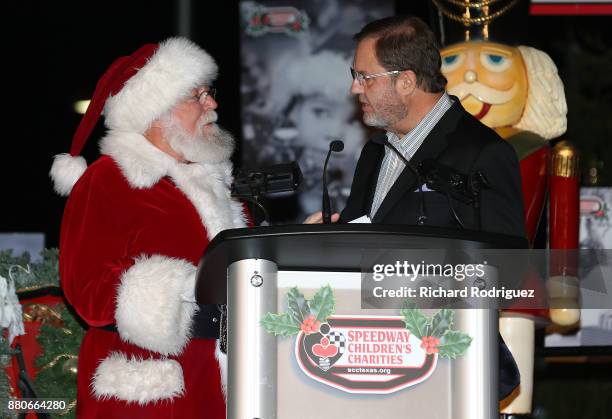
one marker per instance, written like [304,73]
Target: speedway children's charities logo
[365,354]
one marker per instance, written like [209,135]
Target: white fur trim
[177,67]
[207,187]
[155,304]
[136,380]
[222,360]
[142,164]
[546,109]
[66,171]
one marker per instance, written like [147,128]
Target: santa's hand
[188,292]
[317,218]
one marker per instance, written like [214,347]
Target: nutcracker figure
[516,90]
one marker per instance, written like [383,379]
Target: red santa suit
[134,228]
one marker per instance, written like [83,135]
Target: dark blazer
[463,143]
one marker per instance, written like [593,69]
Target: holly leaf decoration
[323,304]
[414,319]
[442,322]
[297,305]
[453,344]
[280,324]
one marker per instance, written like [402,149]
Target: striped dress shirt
[392,166]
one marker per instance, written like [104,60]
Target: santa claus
[135,225]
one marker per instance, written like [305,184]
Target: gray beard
[389,112]
[375,121]
[213,146]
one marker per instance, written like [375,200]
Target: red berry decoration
[310,325]
[430,343]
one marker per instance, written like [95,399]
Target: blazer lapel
[364,182]
[374,173]
[435,142]
[407,181]
[371,189]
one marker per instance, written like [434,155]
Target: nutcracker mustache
[209,144]
[483,93]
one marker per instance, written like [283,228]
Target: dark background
[58,49]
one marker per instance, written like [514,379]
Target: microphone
[336,146]
[443,179]
[267,181]
[251,185]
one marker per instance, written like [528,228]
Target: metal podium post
[251,293]
[474,385]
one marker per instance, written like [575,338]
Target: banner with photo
[295,93]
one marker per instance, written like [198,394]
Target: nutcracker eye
[495,62]
[451,62]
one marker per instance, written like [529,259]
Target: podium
[269,377]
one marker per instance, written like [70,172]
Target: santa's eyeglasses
[204,94]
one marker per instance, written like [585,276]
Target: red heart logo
[324,349]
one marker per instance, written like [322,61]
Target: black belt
[206,323]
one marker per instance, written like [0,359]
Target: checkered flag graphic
[338,339]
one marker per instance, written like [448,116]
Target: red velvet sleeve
[95,244]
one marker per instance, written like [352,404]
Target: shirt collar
[405,143]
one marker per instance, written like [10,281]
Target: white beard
[210,144]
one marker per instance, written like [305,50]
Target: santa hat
[135,91]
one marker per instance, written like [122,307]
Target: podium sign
[346,361]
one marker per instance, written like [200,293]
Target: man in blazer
[399,84]
[397,78]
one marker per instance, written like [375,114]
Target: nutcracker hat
[133,92]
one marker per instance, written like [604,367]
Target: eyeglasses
[204,94]
[361,78]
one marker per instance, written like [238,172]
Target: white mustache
[483,93]
[208,117]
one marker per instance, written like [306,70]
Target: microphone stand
[444,180]
[336,146]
